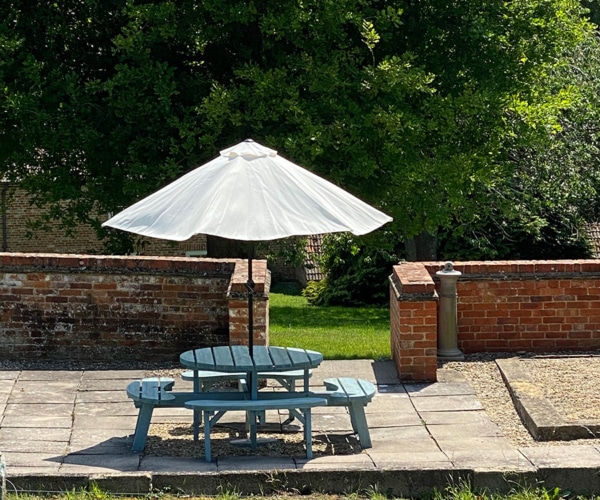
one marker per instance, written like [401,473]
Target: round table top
[237,359]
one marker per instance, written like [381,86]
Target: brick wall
[507,306]
[413,322]
[83,307]
[18,236]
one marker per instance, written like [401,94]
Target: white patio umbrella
[248,193]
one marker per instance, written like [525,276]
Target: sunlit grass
[337,332]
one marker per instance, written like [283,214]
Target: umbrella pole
[250,287]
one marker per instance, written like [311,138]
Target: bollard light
[447,318]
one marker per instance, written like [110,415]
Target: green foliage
[357,270]
[337,332]
[418,107]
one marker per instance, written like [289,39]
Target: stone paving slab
[447,389]
[460,431]
[34,434]
[106,422]
[563,456]
[61,377]
[95,410]
[94,463]
[537,413]
[26,446]
[125,375]
[102,397]
[177,464]
[446,403]
[41,421]
[423,436]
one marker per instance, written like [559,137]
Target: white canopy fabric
[248,193]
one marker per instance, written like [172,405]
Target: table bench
[214,409]
[150,393]
[207,378]
[147,394]
[355,394]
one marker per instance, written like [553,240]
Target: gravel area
[567,381]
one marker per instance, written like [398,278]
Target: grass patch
[336,332]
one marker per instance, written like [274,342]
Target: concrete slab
[36,459]
[477,459]
[41,421]
[177,464]
[447,389]
[55,376]
[102,397]
[361,461]
[36,409]
[461,431]
[34,392]
[485,443]
[563,456]
[115,375]
[422,437]
[119,408]
[446,403]
[537,413]
[391,403]
[25,446]
[432,459]
[393,419]
[93,464]
[453,417]
[239,464]
[105,422]
[34,434]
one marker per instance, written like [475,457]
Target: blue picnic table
[266,362]
[233,359]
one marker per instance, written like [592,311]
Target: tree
[414,106]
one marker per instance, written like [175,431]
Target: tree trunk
[222,248]
[423,247]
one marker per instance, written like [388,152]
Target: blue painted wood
[262,359]
[223,358]
[209,404]
[241,359]
[355,394]
[281,359]
[253,408]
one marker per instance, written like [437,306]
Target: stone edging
[537,413]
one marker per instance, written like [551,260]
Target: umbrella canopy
[248,193]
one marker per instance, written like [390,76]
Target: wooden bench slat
[253,408]
[255,404]
[280,358]
[262,360]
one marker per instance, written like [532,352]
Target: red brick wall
[508,306]
[19,236]
[83,307]
[413,322]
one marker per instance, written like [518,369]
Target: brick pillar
[413,322]
[238,303]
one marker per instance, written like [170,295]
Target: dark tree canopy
[417,107]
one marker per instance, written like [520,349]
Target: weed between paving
[176,440]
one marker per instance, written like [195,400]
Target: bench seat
[355,394]
[214,410]
[208,378]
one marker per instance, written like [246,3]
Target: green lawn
[337,332]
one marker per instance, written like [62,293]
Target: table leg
[197,414]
